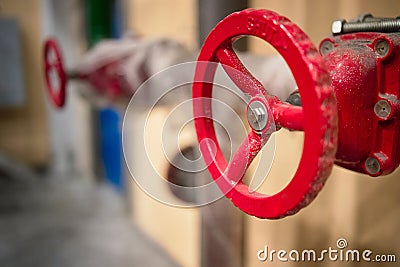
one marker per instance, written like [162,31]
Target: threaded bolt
[383,25]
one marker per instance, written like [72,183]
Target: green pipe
[98,20]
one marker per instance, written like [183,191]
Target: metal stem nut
[326,47]
[294,98]
[73,74]
[257,115]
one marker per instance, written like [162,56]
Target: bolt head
[372,166]
[326,47]
[337,26]
[257,115]
[381,47]
[383,109]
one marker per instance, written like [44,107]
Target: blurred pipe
[213,11]
[118,18]
[98,20]
[104,21]
[221,222]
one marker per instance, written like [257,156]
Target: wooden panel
[221,234]
[23,131]
[176,230]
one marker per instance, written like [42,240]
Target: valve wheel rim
[57,95]
[317,117]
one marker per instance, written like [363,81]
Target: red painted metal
[53,62]
[362,77]
[317,117]
[106,79]
[364,70]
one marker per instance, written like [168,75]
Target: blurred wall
[176,19]
[23,131]
[70,128]
[315,17]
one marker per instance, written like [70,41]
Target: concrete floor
[66,222]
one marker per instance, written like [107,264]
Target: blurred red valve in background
[106,79]
[349,95]
[114,68]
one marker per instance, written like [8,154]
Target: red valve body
[108,80]
[361,77]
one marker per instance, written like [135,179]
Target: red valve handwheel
[317,117]
[57,95]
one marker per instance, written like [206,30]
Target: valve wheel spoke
[244,156]
[288,116]
[239,74]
